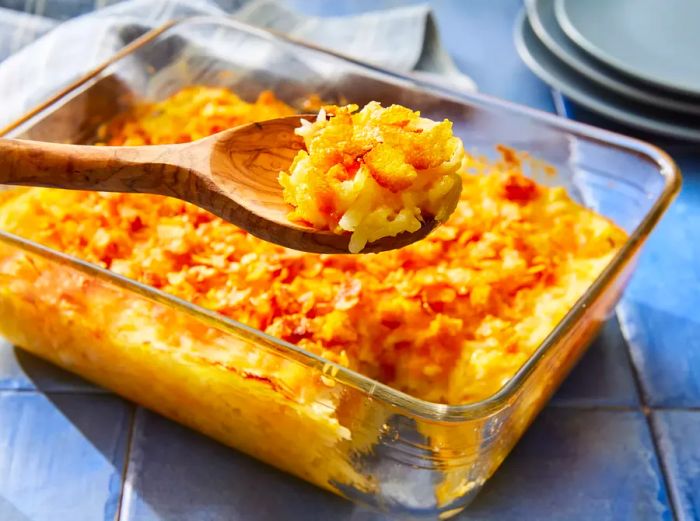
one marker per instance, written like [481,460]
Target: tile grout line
[623,319]
[673,501]
[563,404]
[592,406]
[127,459]
[560,107]
[673,497]
[693,409]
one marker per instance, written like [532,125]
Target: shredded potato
[375,173]
[448,319]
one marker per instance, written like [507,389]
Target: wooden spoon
[232,174]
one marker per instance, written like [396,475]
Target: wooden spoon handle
[146,169]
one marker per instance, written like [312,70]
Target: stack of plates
[634,61]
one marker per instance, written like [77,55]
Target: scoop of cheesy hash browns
[375,172]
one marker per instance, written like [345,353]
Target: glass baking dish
[340,430]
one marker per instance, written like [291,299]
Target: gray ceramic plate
[544,22]
[656,41]
[585,92]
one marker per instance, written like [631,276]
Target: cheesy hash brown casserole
[449,319]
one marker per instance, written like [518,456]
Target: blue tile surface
[580,465]
[603,376]
[61,456]
[607,456]
[660,308]
[20,370]
[679,442]
[213,482]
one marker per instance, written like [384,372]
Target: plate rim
[614,113]
[588,69]
[599,54]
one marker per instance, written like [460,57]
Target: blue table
[621,440]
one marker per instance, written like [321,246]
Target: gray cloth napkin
[403,39]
